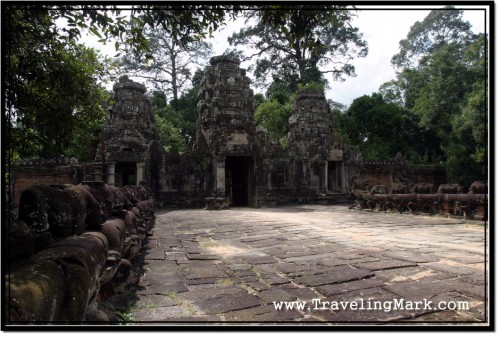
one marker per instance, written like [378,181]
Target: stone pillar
[97,173]
[221,178]
[325,182]
[140,172]
[111,174]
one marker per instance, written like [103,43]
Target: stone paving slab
[233,265]
[215,301]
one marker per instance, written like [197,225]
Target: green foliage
[167,65]
[440,28]
[441,83]
[53,99]
[273,115]
[313,86]
[176,121]
[258,99]
[376,126]
[127,24]
[308,41]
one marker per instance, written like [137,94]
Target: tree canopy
[52,92]
[441,83]
[311,40]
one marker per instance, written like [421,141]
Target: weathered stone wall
[397,171]
[28,172]
[72,249]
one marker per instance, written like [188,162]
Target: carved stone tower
[316,150]
[227,131]
[128,134]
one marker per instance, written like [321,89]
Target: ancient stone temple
[127,135]
[233,162]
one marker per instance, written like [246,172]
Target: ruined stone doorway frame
[240,181]
[126,174]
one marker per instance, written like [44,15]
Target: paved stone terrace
[225,266]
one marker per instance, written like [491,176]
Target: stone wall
[26,173]
[399,171]
[72,249]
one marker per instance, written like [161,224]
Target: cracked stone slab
[155,254]
[412,256]
[345,287]
[453,269]
[160,314]
[175,256]
[265,243]
[196,272]
[265,313]
[259,259]
[386,264]
[196,256]
[163,289]
[335,276]
[428,289]
[304,294]
[412,274]
[155,301]
[275,295]
[220,300]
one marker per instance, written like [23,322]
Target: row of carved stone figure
[72,247]
[363,184]
[450,199]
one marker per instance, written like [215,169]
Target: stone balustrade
[73,247]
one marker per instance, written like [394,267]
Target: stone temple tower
[128,134]
[316,150]
[226,130]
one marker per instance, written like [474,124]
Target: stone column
[221,178]
[111,174]
[325,183]
[140,172]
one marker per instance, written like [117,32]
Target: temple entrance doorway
[240,187]
[334,177]
[126,174]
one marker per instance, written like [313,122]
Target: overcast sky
[381,28]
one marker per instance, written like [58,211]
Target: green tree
[169,70]
[441,82]
[440,28]
[51,89]
[379,128]
[274,115]
[310,40]
[176,121]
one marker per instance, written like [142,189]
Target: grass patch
[171,294]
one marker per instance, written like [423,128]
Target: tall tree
[441,27]
[169,69]
[379,128]
[312,39]
[51,87]
[176,121]
[442,82]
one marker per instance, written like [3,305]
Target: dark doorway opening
[239,180]
[334,177]
[126,174]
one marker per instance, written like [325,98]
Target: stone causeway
[234,266]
